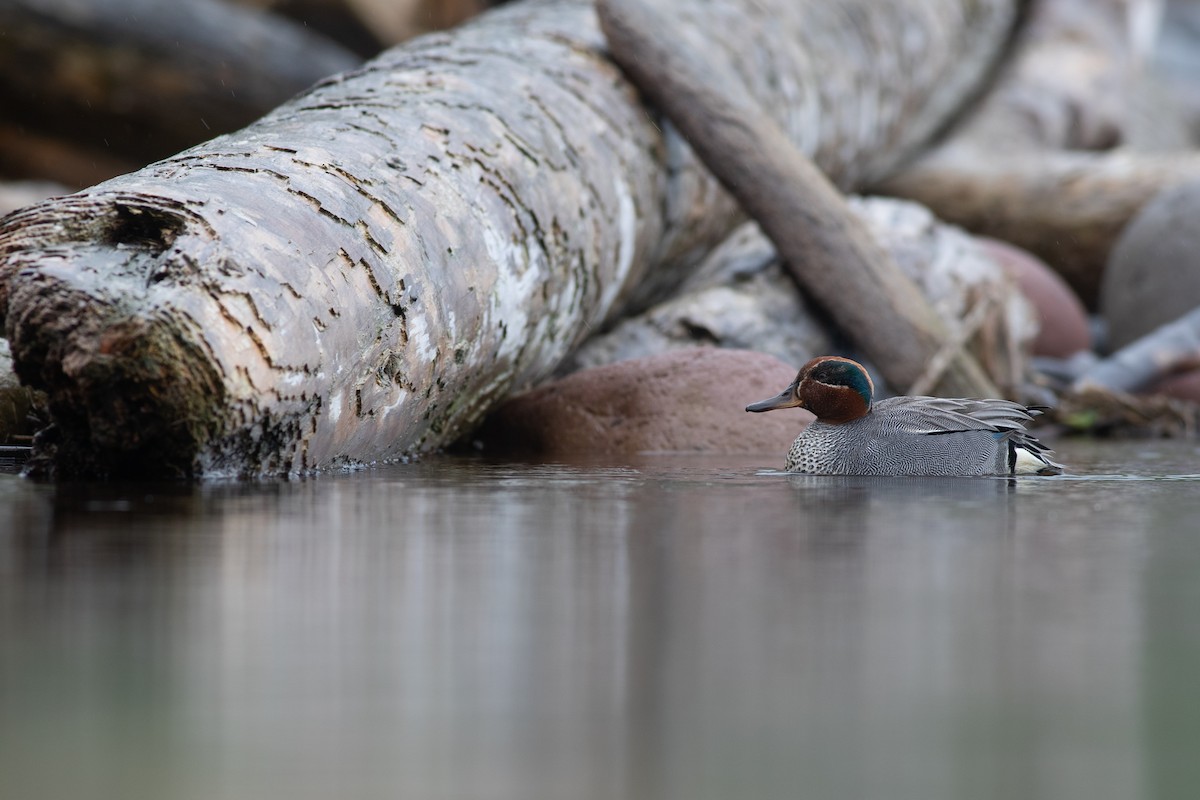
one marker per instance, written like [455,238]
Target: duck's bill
[785,399]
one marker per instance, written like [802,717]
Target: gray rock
[1153,273]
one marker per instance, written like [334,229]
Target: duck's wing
[1004,419]
[934,415]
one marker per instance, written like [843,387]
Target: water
[675,627]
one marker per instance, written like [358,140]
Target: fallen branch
[1174,347]
[954,347]
[826,246]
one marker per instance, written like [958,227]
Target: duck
[903,436]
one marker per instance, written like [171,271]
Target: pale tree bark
[361,274]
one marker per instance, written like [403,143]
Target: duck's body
[853,435]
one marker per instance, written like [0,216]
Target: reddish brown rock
[690,400]
[1062,319]
[1182,386]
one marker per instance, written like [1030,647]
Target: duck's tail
[1030,457]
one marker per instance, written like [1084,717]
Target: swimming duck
[903,435]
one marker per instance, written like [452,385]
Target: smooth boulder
[683,400]
[1063,328]
[1153,274]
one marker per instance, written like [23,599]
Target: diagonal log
[362,273]
[1171,348]
[825,245]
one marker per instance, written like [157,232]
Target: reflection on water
[671,628]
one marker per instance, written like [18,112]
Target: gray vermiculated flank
[918,436]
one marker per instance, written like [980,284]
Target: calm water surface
[674,627]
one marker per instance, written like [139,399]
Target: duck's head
[835,389]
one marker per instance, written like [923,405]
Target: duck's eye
[826,375]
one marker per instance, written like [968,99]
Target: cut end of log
[128,393]
[126,396]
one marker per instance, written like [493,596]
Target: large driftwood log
[826,246]
[145,78]
[362,273]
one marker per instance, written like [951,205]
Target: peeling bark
[361,274]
